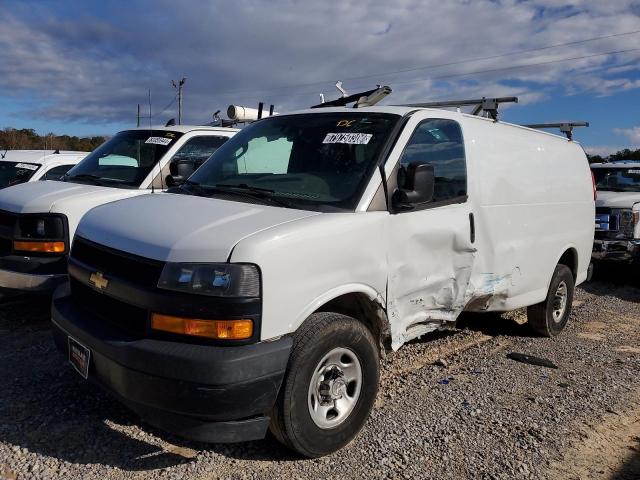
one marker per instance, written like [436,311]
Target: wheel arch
[569,258]
[359,301]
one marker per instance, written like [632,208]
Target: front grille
[124,316]
[625,223]
[605,222]
[118,264]
[8,220]
[6,246]
[614,223]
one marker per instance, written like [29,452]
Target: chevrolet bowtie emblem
[97,280]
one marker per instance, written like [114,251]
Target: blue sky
[81,68]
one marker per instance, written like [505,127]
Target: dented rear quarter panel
[533,201]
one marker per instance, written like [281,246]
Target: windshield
[317,161]
[617,179]
[125,160]
[12,173]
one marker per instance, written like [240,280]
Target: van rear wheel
[549,317]
[329,387]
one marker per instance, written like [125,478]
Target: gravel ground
[450,406]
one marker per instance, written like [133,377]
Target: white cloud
[633,134]
[97,67]
[603,150]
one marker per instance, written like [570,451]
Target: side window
[56,172]
[194,153]
[439,142]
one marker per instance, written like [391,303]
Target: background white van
[20,166]
[38,219]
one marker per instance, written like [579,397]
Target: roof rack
[565,127]
[367,98]
[484,104]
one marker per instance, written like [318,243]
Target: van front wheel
[549,317]
[329,387]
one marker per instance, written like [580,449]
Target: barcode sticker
[349,138]
[159,140]
[27,166]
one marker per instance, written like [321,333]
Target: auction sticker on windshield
[348,138]
[159,140]
[79,357]
[27,166]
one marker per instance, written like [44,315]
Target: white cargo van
[20,166]
[38,219]
[263,294]
[617,236]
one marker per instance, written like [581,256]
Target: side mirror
[418,187]
[174,180]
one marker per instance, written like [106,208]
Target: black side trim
[201,431]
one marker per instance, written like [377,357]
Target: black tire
[291,420]
[541,316]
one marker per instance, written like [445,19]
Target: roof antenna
[322,98]
[153,190]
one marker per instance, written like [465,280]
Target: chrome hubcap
[559,302]
[335,388]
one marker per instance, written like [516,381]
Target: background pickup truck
[617,235]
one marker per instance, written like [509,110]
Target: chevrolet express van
[38,219]
[263,293]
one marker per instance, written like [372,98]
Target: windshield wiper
[254,192]
[85,176]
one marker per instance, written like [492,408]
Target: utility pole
[179,88]
[138,121]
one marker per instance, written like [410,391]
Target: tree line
[624,154]
[28,139]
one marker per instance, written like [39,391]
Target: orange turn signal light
[39,247]
[217,329]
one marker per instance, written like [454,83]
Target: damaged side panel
[430,267]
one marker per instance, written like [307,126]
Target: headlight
[40,234]
[37,228]
[215,279]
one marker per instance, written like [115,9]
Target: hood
[180,228]
[49,196]
[617,199]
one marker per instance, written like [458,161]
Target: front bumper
[616,250]
[28,282]
[200,392]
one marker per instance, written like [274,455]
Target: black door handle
[472,228]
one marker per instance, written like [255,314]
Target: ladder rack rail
[564,127]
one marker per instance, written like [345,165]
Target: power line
[516,67]
[433,66]
[478,72]
[173,100]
